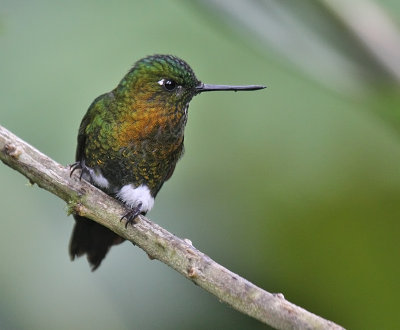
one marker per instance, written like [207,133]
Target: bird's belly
[131,194]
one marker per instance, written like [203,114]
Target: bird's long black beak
[209,88]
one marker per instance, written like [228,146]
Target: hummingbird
[130,140]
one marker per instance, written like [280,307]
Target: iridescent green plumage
[130,140]
[135,132]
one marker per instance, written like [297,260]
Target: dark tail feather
[92,239]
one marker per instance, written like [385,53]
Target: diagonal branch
[86,200]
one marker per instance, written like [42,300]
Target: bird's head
[167,82]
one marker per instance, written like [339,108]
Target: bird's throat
[152,125]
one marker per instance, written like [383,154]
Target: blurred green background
[296,188]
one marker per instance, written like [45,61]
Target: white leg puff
[133,196]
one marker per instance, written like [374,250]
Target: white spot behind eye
[161,82]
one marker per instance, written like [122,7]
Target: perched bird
[130,140]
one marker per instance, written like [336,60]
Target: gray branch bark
[86,200]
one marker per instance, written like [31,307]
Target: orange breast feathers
[142,123]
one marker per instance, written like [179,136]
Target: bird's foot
[79,165]
[132,214]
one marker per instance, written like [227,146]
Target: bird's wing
[86,120]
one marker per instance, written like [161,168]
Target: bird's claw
[79,165]
[73,167]
[131,215]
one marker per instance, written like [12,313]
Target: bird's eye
[168,84]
